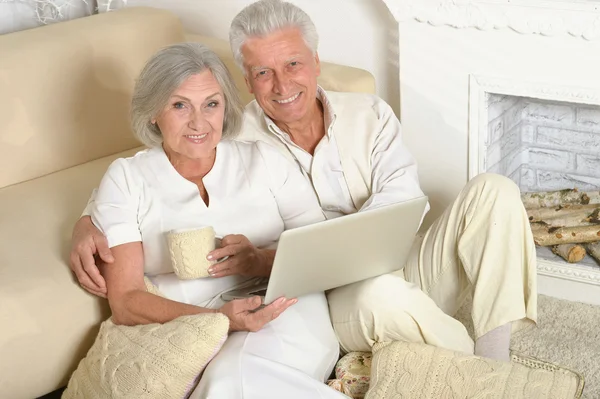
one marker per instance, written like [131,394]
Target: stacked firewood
[568,221]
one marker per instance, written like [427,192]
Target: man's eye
[262,74]
[294,63]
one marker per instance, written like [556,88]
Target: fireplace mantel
[544,17]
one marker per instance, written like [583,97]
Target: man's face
[282,72]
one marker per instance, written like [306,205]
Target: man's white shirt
[390,159]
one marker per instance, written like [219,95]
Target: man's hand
[86,242]
[244,258]
[245,315]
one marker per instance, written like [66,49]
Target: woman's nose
[198,121]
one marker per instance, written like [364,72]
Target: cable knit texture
[410,370]
[148,361]
[188,252]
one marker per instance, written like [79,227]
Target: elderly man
[349,146]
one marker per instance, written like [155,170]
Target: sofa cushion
[65,88]
[48,321]
[153,361]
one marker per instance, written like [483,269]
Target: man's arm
[86,242]
[87,211]
[394,169]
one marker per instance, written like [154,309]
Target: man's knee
[494,182]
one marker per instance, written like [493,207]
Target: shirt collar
[328,115]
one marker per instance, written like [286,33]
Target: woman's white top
[253,190]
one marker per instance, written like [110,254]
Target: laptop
[341,251]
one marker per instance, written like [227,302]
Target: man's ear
[317,64]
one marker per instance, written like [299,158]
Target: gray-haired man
[349,146]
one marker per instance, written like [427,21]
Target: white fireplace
[504,86]
[546,141]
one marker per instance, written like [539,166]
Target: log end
[576,254]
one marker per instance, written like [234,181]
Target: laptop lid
[344,250]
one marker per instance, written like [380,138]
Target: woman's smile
[196,138]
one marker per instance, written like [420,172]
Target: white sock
[495,344]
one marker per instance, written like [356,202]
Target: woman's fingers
[228,250]
[271,311]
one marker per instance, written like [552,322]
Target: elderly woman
[185,108]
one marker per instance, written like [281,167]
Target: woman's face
[192,121]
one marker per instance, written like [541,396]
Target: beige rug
[568,334]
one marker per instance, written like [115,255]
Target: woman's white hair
[164,72]
[265,17]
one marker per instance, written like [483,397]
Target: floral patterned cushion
[352,374]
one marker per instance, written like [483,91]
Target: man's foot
[495,344]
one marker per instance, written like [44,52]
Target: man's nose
[282,84]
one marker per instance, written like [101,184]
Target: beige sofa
[64,100]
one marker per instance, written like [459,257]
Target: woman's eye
[178,105]
[212,104]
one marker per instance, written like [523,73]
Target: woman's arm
[131,304]
[129,301]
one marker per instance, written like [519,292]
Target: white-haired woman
[185,107]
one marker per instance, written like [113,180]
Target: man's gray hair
[164,72]
[265,17]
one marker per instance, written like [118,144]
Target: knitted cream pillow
[148,361]
[407,370]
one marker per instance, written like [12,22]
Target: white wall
[358,33]
[438,63]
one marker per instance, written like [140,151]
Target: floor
[567,334]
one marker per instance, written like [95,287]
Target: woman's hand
[246,314]
[244,258]
[86,242]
